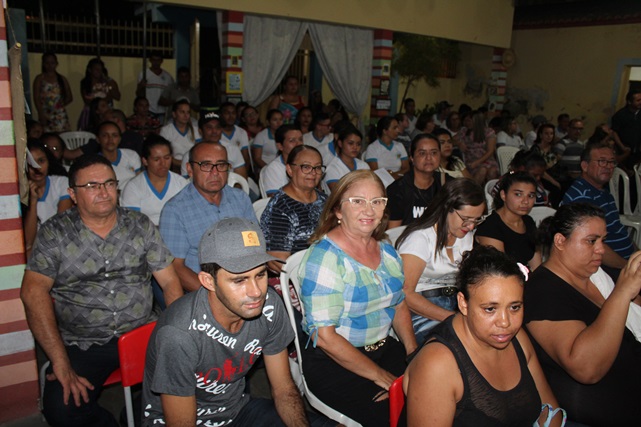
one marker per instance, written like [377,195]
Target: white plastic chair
[77,139]
[539,213]
[259,207]
[621,183]
[234,179]
[394,233]
[637,180]
[505,155]
[290,272]
[261,185]
[253,187]
[488,194]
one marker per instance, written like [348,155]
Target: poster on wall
[234,82]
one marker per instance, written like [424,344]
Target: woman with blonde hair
[352,291]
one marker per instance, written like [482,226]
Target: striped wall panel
[498,77]
[18,372]
[381,70]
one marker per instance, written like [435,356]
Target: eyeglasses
[209,166]
[377,203]
[307,169]
[52,147]
[471,221]
[603,163]
[94,187]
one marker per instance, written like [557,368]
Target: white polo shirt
[388,158]
[140,195]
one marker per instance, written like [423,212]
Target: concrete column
[381,71]
[232,55]
[18,371]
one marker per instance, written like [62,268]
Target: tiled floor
[113,399]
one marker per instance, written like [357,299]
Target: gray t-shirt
[190,354]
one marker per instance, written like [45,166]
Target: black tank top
[482,404]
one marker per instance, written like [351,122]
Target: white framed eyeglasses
[377,203]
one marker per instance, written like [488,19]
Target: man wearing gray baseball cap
[205,343]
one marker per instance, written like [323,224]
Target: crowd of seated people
[450,292]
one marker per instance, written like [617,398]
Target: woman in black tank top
[478,368]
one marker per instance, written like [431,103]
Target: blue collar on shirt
[162,194]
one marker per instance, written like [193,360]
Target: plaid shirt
[101,286]
[337,290]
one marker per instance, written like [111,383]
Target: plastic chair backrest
[77,139]
[637,181]
[619,176]
[261,185]
[394,233]
[505,155]
[488,194]
[259,207]
[234,179]
[290,273]
[132,348]
[396,401]
[539,213]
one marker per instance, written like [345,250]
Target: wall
[574,70]
[123,70]
[477,21]
[473,69]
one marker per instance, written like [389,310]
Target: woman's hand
[35,192]
[630,278]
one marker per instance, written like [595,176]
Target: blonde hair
[328,219]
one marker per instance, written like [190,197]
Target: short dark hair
[590,147]
[211,268]
[152,141]
[384,124]
[183,70]
[562,116]
[107,123]
[630,95]
[481,263]
[407,101]
[224,105]
[183,101]
[279,137]
[83,162]
[420,137]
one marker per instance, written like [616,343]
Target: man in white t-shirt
[321,137]
[274,176]
[210,127]
[234,134]
[152,84]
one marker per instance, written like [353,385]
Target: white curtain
[269,46]
[345,56]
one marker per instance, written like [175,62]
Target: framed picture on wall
[385,87]
[234,82]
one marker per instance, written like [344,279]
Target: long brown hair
[328,219]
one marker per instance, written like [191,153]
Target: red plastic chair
[132,349]
[396,401]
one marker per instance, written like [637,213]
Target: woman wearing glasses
[432,248]
[293,212]
[352,292]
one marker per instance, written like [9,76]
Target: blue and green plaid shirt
[337,290]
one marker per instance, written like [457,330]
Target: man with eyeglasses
[597,165]
[86,283]
[321,137]
[211,131]
[203,202]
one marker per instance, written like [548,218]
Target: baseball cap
[235,244]
[208,117]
